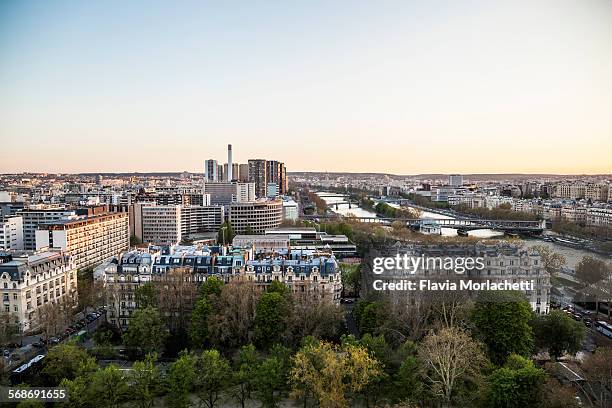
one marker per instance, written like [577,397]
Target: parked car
[588,322]
[6,353]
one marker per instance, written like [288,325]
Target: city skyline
[401,88]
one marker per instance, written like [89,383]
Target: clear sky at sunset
[403,87]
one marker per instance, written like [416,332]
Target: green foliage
[145,381]
[198,330]
[212,286]
[244,374]
[278,287]
[180,381]
[108,387]
[67,361]
[517,384]
[134,240]
[249,230]
[213,375]
[146,332]
[370,316]
[226,233]
[558,333]
[269,381]
[502,321]
[146,295]
[271,319]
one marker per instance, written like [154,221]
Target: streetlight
[223,232]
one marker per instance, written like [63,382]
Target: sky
[400,87]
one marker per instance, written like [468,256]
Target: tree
[180,380]
[271,319]
[145,381]
[226,233]
[249,230]
[67,361]
[269,380]
[212,286]
[558,333]
[146,332]
[9,326]
[330,373]
[108,387]
[502,321]
[231,322]
[198,330]
[146,295]
[552,261]
[310,316]
[450,356]
[213,375]
[598,372]
[592,270]
[517,384]
[244,375]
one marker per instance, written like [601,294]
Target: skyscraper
[258,175]
[211,171]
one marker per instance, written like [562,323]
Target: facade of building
[32,280]
[258,215]
[306,273]
[258,175]
[228,193]
[290,210]
[11,232]
[36,215]
[455,180]
[168,224]
[89,239]
[508,262]
[211,171]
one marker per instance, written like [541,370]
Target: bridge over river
[461,224]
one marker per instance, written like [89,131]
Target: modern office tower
[258,215]
[36,215]
[211,171]
[243,172]
[455,180]
[227,193]
[30,281]
[88,239]
[258,175]
[276,173]
[11,232]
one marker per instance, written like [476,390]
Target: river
[572,255]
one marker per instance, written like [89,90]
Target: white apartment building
[31,280]
[228,193]
[597,192]
[11,232]
[168,224]
[88,239]
[36,215]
